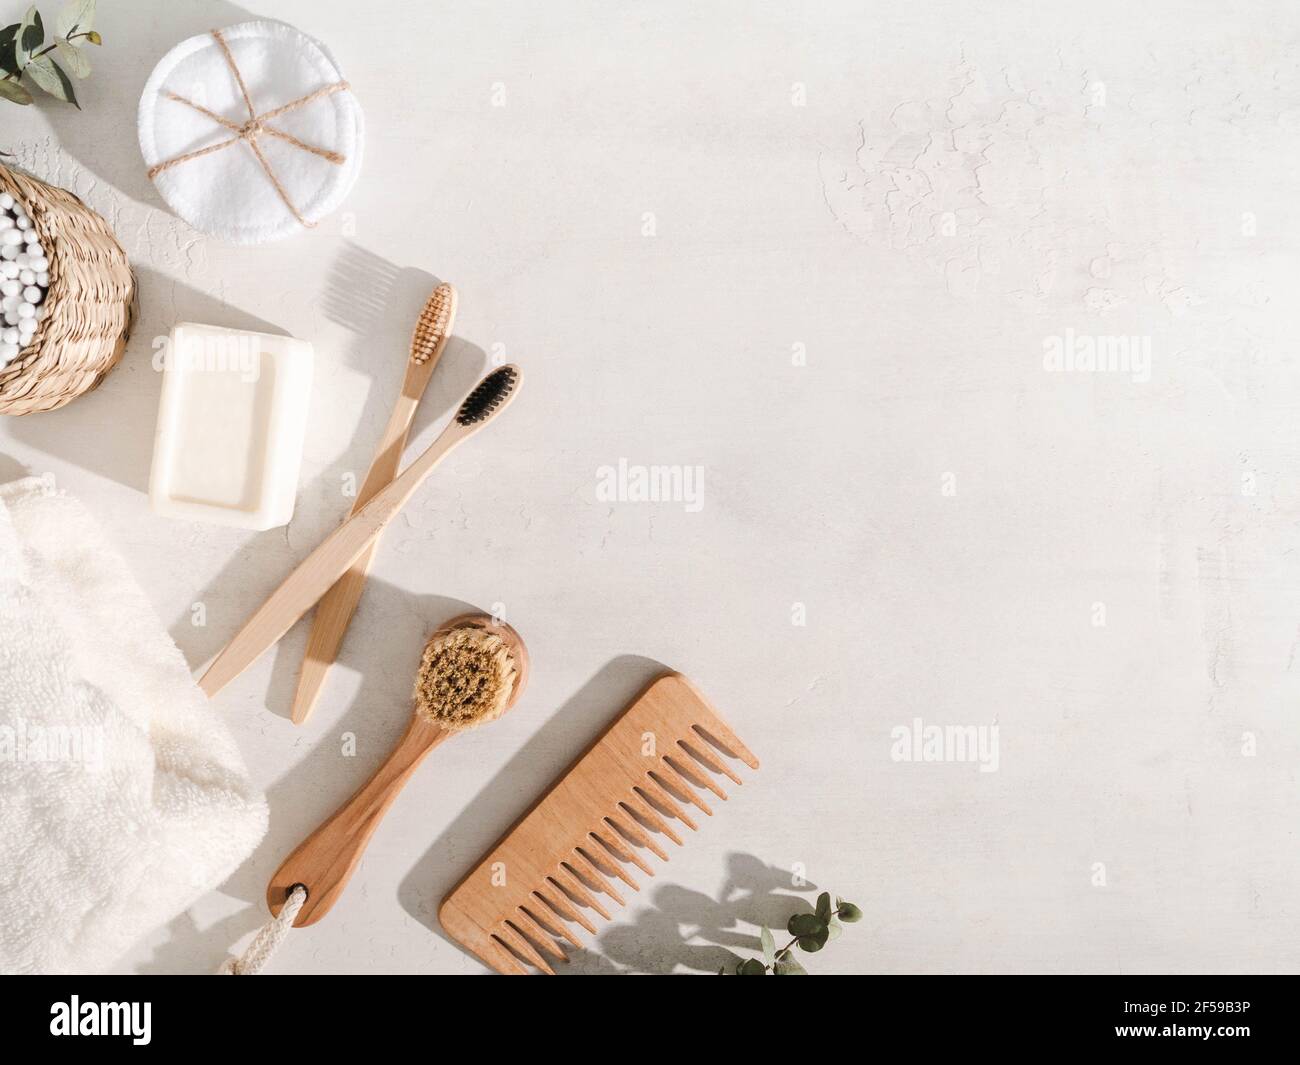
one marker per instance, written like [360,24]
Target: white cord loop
[268,938]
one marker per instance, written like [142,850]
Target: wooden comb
[523,898]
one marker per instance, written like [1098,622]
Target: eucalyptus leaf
[805,924]
[78,16]
[73,58]
[9,49]
[824,906]
[812,944]
[849,913]
[751,967]
[15,93]
[768,944]
[50,77]
[790,967]
[835,929]
[31,35]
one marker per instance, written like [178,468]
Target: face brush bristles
[466,677]
[434,323]
[488,394]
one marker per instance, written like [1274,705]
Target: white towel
[227,193]
[123,798]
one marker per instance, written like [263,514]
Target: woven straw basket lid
[88,309]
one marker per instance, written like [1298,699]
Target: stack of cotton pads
[251,133]
[24,279]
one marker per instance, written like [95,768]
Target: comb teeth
[567,867]
[434,324]
[488,395]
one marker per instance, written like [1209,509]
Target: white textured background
[963,182]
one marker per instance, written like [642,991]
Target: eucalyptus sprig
[811,932]
[25,53]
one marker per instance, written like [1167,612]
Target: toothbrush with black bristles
[317,573]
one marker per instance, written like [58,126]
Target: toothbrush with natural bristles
[318,572]
[334,611]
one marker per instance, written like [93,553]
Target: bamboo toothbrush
[473,670]
[334,611]
[317,573]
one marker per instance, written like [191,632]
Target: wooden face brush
[318,572]
[336,607]
[473,671]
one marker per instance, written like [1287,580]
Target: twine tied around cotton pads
[256,126]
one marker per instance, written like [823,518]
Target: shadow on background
[11,469]
[665,936]
[677,929]
[380,302]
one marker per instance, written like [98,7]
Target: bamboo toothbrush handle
[335,609]
[324,861]
[318,571]
[328,627]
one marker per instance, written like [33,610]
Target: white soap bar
[231,422]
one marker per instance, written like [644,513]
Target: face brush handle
[324,861]
[319,570]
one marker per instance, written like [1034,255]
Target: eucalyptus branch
[27,56]
[811,932]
